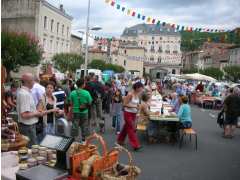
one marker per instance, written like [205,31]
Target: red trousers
[129,129]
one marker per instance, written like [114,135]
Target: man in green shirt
[80,100]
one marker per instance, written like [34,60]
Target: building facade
[76,44]
[97,54]
[131,58]
[234,57]
[51,25]
[161,45]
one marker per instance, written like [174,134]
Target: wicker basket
[132,171]
[107,160]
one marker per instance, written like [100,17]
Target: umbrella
[197,76]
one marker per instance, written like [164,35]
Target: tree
[67,62]
[101,65]
[213,72]
[232,72]
[19,49]
[97,64]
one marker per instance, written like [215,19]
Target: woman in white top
[131,105]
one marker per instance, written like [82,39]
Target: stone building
[51,25]
[97,54]
[131,57]
[234,53]
[76,44]
[161,45]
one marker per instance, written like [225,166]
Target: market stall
[162,113]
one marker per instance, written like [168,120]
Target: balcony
[167,51]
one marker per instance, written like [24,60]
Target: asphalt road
[216,158]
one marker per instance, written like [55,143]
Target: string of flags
[152,20]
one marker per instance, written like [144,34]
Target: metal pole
[87,32]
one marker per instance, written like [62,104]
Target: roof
[61,12]
[76,36]
[152,29]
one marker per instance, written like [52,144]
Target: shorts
[230,120]
[185,125]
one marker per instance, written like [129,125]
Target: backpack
[220,118]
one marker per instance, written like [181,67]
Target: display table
[167,123]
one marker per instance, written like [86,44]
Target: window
[125,51]
[124,62]
[44,44]
[160,49]
[51,46]
[45,22]
[62,50]
[57,48]
[160,38]
[152,42]
[57,27]
[66,47]
[153,38]
[151,58]
[67,31]
[62,29]
[159,59]
[156,42]
[52,21]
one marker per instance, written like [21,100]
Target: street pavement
[216,158]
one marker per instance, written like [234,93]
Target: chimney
[61,7]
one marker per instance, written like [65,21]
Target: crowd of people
[84,103]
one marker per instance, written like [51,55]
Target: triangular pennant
[164,23]
[129,12]
[123,9]
[148,19]
[178,26]
[143,18]
[153,21]
[112,3]
[118,6]
[133,13]
[158,23]
[182,28]
[139,16]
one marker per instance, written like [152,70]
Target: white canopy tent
[197,76]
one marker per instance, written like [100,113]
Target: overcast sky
[223,14]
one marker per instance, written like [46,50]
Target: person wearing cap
[184,113]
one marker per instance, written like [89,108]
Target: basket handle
[100,139]
[122,149]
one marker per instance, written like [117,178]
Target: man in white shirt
[26,108]
[37,91]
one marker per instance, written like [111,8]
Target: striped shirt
[60,96]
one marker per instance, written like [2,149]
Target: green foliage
[101,65]
[189,71]
[193,40]
[67,62]
[19,49]
[212,72]
[232,72]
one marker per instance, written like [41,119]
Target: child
[144,118]
[117,108]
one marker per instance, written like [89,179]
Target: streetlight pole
[87,32]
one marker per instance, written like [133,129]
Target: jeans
[30,132]
[116,122]
[185,124]
[152,129]
[50,129]
[80,120]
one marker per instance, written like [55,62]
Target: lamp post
[87,32]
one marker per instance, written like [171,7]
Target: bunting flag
[148,19]
[138,15]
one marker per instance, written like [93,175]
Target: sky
[220,14]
